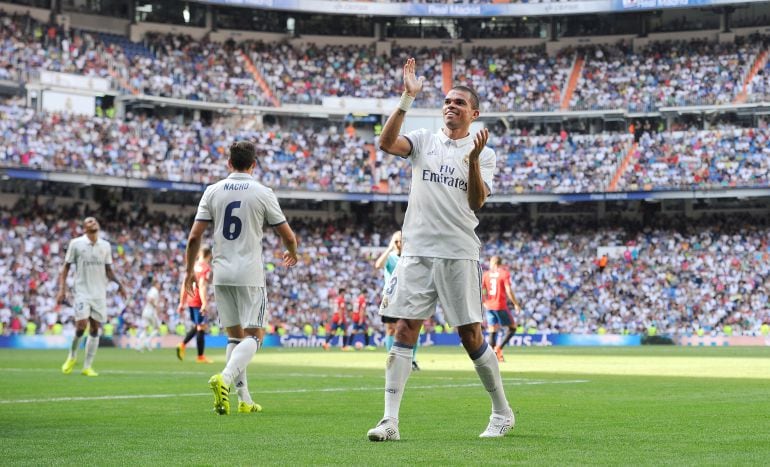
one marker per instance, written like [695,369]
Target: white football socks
[241,381]
[397,371]
[242,386]
[92,343]
[74,347]
[489,373]
[239,359]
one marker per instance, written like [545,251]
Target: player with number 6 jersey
[239,207]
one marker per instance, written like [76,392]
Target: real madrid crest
[466,160]
[384,303]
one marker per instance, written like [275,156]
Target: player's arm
[182,299]
[511,296]
[477,189]
[382,260]
[203,284]
[191,252]
[111,276]
[390,139]
[289,242]
[62,283]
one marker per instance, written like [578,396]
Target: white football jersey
[151,302]
[239,207]
[439,223]
[90,260]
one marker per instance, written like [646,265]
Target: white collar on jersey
[239,175]
[458,143]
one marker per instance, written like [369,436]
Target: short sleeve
[273,214]
[107,253]
[390,264]
[419,140]
[71,256]
[487,164]
[204,212]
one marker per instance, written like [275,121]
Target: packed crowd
[302,158]
[330,158]
[184,68]
[307,76]
[680,278]
[559,163]
[677,276]
[758,89]
[525,79]
[724,157]
[27,46]
[519,79]
[664,74]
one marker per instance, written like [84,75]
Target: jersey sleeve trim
[276,225]
[202,220]
[411,145]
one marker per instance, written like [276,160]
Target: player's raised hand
[412,84]
[478,144]
[289,259]
[392,244]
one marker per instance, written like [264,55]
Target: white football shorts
[244,306]
[418,283]
[90,308]
[150,318]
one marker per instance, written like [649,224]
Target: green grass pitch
[574,406]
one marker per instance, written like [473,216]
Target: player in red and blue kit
[197,302]
[339,321]
[360,324]
[496,287]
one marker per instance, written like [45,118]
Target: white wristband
[406,101]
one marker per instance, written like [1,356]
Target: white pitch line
[279,391]
[277,375]
[111,372]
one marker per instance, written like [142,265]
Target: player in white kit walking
[239,207]
[150,319]
[92,257]
[452,175]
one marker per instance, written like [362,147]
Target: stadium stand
[326,158]
[662,74]
[680,275]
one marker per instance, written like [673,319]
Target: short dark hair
[206,251]
[474,96]
[242,154]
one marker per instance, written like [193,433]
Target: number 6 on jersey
[232,225]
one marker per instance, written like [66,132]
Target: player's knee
[471,337]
